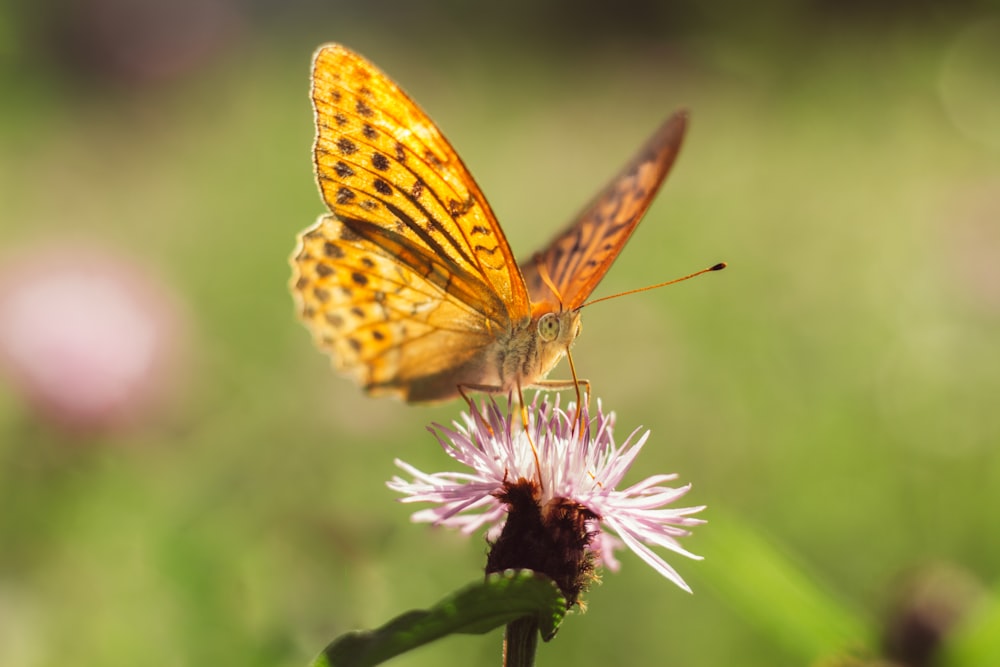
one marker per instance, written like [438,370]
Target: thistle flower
[90,342]
[561,513]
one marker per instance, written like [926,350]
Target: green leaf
[776,594]
[475,609]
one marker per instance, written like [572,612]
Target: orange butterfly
[410,284]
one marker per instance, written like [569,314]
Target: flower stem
[520,641]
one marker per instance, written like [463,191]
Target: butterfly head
[555,333]
[562,327]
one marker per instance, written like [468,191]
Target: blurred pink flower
[87,340]
[571,493]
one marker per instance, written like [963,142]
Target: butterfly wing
[411,277]
[383,311]
[577,259]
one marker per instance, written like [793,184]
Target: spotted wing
[411,279]
[381,307]
[577,259]
[381,161]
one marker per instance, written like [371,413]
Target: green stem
[520,641]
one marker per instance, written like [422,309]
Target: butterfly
[408,282]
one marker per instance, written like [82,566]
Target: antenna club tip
[719,266]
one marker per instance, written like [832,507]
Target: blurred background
[185,481]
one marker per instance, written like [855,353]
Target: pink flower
[570,499]
[88,341]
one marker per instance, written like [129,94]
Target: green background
[835,391]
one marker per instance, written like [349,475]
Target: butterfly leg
[468,399]
[527,432]
[563,385]
[575,384]
[485,388]
[492,389]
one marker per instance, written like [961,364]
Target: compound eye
[548,327]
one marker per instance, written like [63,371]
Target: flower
[552,501]
[89,341]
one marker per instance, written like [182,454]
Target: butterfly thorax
[534,347]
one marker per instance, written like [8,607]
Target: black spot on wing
[457,208]
[342,169]
[333,251]
[432,159]
[346,146]
[488,251]
[348,234]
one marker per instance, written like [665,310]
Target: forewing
[577,259]
[381,161]
[385,323]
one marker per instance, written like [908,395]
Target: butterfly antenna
[716,267]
